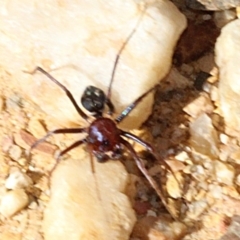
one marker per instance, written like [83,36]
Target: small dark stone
[200,80]
[212,5]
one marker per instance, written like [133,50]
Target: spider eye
[105,142]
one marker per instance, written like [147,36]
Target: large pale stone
[84,205]
[77,42]
[227,58]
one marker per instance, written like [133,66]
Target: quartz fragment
[173,187]
[203,136]
[13,202]
[18,179]
[36,128]
[224,172]
[15,152]
[200,105]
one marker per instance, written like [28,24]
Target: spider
[104,139]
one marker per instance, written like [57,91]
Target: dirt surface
[204,202]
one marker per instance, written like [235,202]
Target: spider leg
[68,93]
[94,171]
[110,106]
[129,108]
[56,131]
[149,148]
[119,54]
[144,171]
[72,146]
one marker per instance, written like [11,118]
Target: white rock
[216,191]
[204,137]
[78,42]
[221,18]
[13,202]
[223,138]
[82,208]
[205,63]
[214,94]
[15,152]
[198,106]
[227,58]
[18,179]
[173,187]
[182,156]
[196,209]
[36,128]
[224,172]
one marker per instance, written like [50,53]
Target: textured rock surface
[203,136]
[82,208]
[12,202]
[212,5]
[77,41]
[227,58]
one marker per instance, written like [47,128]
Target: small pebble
[196,209]
[190,194]
[186,68]
[216,191]
[224,153]
[33,205]
[236,156]
[13,202]
[214,94]
[224,138]
[7,142]
[198,106]
[182,156]
[13,102]
[151,213]
[173,187]
[203,185]
[201,195]
[230,191]
[15,152]
[198,173]
[205,64]
[206,17]
[238,180]
[18,179]
[36,128]
[1,105]
[175,165]
[204,137]
[22,161]
[224,172]
[208,165]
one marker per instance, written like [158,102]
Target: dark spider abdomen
[93,99]
[104,135]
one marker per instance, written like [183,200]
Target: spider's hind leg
[72,146]
[144,171]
